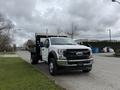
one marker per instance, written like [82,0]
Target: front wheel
[87,71]
[52,67]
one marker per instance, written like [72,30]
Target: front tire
[87,71]
[52,67]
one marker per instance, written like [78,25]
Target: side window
[46,43]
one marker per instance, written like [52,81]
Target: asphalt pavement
[104,76]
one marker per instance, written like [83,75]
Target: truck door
[45,50]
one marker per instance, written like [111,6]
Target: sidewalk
[9,55]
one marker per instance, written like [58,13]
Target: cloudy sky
[93,18]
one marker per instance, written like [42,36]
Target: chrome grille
[71,54]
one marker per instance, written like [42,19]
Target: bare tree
[5,26]
[5,43]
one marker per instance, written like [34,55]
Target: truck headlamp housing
[61,51]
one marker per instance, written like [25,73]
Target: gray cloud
[92,17]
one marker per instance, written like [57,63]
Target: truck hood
[70,47]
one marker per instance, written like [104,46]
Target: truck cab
[61,52]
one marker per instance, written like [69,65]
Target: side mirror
[41,44]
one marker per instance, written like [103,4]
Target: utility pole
[58,31]
[46,32]
[110,34]
[74,30]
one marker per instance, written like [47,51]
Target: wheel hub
[51,67]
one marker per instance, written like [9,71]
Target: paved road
[104,76]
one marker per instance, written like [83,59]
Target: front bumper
[72,63]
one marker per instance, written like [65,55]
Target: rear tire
[52,67]
[33,59]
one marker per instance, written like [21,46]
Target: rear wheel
[52,67]
[33,59]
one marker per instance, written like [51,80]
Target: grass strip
[16,74]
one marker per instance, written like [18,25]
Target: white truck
[61,52]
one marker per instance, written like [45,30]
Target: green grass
[15,74]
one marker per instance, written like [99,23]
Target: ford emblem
[79,53]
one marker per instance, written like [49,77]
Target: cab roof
[49,35]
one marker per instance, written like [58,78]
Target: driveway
[104,76]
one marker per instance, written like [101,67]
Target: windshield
[62,41]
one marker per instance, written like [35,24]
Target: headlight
[61,51]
